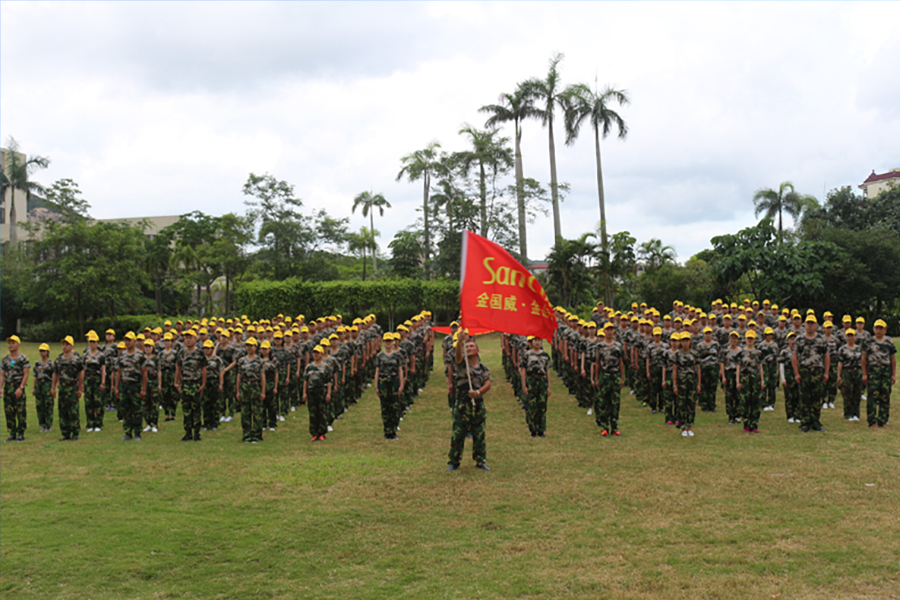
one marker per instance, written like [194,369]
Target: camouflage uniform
[131,377]
[606,408]
[250,371]
[447,346]
[878,369]
[851,378]
[238,351]
[469,415]
[769,355]
[227,398]
[830,394]
[192,363]
[708,357]
[686,398]
[730,359]
[668,395]
[389,366]
[296,386]
[111,354]
[212,398]
[751,387]
[270,404]
[317,378]
[284,359]
[151,400]
[43,400]
[67,371]
[811,353]
[791,389]
[13,374]
[657,358]
[93,398]
[165,362]
[536,366]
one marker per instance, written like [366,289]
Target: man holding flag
[499,294]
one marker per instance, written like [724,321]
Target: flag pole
[462,279]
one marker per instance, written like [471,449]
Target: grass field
[648,515]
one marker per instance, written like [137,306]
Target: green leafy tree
[422,164]
[406,254]
[584,104]
[283,232]
[514,108]
[362,244]
[16,175]
[654,254]
[371,202]
[568,270]
[490,158]
[65,195]
[157,259]
[773,203]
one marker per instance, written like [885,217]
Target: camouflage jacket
[270,369]
[192,363]
[93,364]
[152,364]
[14,369]
[811,353]
[131,366]
[43,371]
[609,357]
[730,358]
[214,366]
[534,363]
[250,369]
[687,366]
[768,352]
[480,375]
[165,361]
[658,355]
[283,357]
[68,369]
[707,354]
[879,353]
[317,376]
[850,358]
[389,365]
[784,358]
[751,359]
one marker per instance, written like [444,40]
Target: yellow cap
[208,344]
[750,334]
[847,319]
[157,330]
[121,345]
[251,342]
[190,332]
[130,336]
[880,323]
[850,331]
[111,332]
[319,349]
[265,344]
[304,329]
[333,336]
[860,319]
[657,331]
[167,337]
[828,314]
[278,335]
[734,333]
[44,347]
[827,324]
[388,336]
[601,333]
[811,319]
[140,337]
[168,322]
[325,342]
[707,330]
[782,318]
[790,335]
[148,342]
[769,331]
[203,331]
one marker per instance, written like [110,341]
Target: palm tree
[786,199]
[369,203]
[583,103]
[422,164]
[15,174]
[362,243]
[514,107]
[549,91]
[567,269]
[490,155]
[654,255]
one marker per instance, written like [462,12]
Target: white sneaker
[590,411]
[222,419]
[398,428]
[684,433]
[330,428]
[293,409]
[368,385]
[690,433]
[831,405]
[854,418]
[281,417]
[401,418]
[825,406]
[421,390]
[346,409]
[147,428]
[154,429]
[228,419]
[864,397]
[631,393]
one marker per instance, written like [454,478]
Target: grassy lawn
[648,515]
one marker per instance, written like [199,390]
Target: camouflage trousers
[293,392]
[751,399]
[812,388]
[686,399]
[251,412]
[668,397]
[93,403]
[318,419]
[851,391]
[43,403]
[709,382]
[212,405]
[607,401]
[878,402]
[191,405]
[388,392]
[169,397]
[14,408]
[536,404]
[791,396]
[831,385]
[655,393]
[270,407]
[468,419]
[151,405]
[283,398]
[129,407]
[228,404]
[69,421]
[732,396]
[770,371]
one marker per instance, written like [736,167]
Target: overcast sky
[163,108]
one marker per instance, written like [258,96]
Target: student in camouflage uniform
[215,386]
[728,362]
[791,389]
[469,414]
[849,375]
[390,383]
[879,372]
[43,383]
[768,351]
[13,379]
[190,381]
[227,397]
[447,347]
[317,382]
[165,363]
[811,364]
[95,374]
[283,359]
[750,383]
[707,352]
[534,371]
[270,374]
[131,387]
[655,363]
[251,392]
[831,386]
[68,378]
[686,376]
[154,387]
[610,373]
[111,353]
[668,395]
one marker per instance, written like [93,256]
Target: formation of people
[218,368]
[676,361]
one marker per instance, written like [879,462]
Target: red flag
[498,293]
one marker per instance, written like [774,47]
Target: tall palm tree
[583,103]
[654,255]
[369,203]
[490,155]
[15,174]
[514,107]
[549,92]
[422,164]
[785,200]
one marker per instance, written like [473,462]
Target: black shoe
[11,438]
[452,467]
[197,437]
[533,434]
[65,438]
[541,434]
[804,429]
[469,435]
[126,438]
[74,438]
[483,467]
[187,438]
[137,438]
[21,438]
[818,428]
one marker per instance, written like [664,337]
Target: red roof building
[875,184]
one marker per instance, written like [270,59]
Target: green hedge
[390,300]
[53,331]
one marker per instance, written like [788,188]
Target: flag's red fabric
[472,330]
[498,293]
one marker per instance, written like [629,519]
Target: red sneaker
[604,433]
[617,432]
[746,430]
